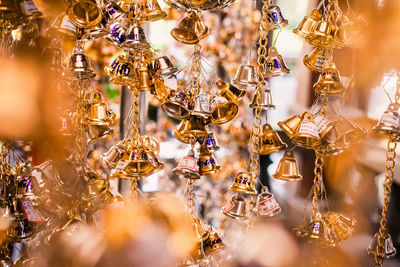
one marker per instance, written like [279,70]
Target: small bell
[317,59]
[212,243]
[389,124]
[322,35]
[329,81]
[30,9]
[244,183]
[97,132]
[112,12]
[275,65]
[97,112]
[145,81]
[63,28]
[246,75]
[118,31]
[27,188]
[150,11]
[180,132]
[20,229]
[317,231]
[265,102]
[138,164]
[389,250]
[190,30]
[287,169]
[270,141]
[152,157]
[79,67]
[230,92]
[163,67]
[222,111]
[95,188]
[195,127]
[236,208]
[308,135]
[275,19]
[123,72]
[113,155]
[345,31]
[308,24]
[84,13]
[266,204]
[207,162]
[342,225]
[209,141]
[201,106]
[187,167]
[160,91]
[291,125]
[135,39]
[178,106]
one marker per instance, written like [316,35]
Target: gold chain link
[318,176]
[189,197]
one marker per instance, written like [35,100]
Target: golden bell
[317,231]
[84,13]
[152,157]
[187,167]
[97,132]
[195,127]
[180,132]
[270,141]
[222,110]
[230,92]
[160,91]
[287,169]
[119,170]
[112,12]
[342,225]
[201,106]
[291,125]
[178,106]
[244,183]
[308,23]
[95,188]
[113,155]
[118,32]
[27,187]
[308,135]
[212,243]
[246,75]
[20,229]
[345,31]
[190,30]
[63,28]
[149,10]
[329,81]
[30,9]
[145,80]
[209,141]
[389,250]
[317,59]
[275,65]
[207,162]
[123,72]
[275,19]
[163,67]
[324,125]
[139,164]
[135,39]
[97,112]
[266,204]
[389,124]
[265,102]
[322,35]
[236,208]
[79,67]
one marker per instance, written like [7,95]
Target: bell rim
[385,131]
[132,45]
[291,178]
[216,169]
[232,107]
[327,44]
[167,109]
[243,83]
[79,75]
[271,151]
[327,89]
[102,136]
[284,23]
[236,189]
[81,23]
[303,142]
[194,38]
[90,196]
[275,212]
[167,72]
[242,218]
[97,122]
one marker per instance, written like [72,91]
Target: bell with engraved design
[389,251]
[27,187]
[145,81]
[97,132]
[209,141]
[112,12]
[178,106]
[79,67]
[118,31]
[275,19]
[322,35]
[307,135]
[201,106]
[246,75]
[84,13]
[95,188]
[138,164]
[213,243]
[222,110]
[342,225]
[308,23]
[62,27]
[207,162]
[266,204]
[265,101]
[317,231]
[30,9]
[230,92]
[236,208]
[288,169]
[270,141]
[329,81]
[244,183]
[97,112]
[389,124]
[152,157]
[291,125]
[275,65]
[150,11]
[316,60]
[123,72]
[163,67]
[135,39]
[187,167]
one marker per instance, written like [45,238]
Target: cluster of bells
[198,4]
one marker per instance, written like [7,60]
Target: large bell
[246,75]
[270,141]
[84,13]
[322,35]
[190,30]
[187,167]
[244,183]
[389,124]
[236,208]
[230,92]
[266,204]
[275,19]
[317,59]
[222,110]
[308,135]
[79,67]
[135,39]
[149,10]
[178,106]
[329,81]
[163,67]
[291,125]
[97,112]
[63,28]
[207,162]
[145,81]
[287,169]
[389,250]
[265,101]
[275,65]
[308,23]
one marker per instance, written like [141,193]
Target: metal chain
[196,67]
[318,174]
[189,197]
[324,104]
[135,119]
[81,100]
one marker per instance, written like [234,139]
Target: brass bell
[97,132]
[119,170]
[209,141]
[270,141]
[30,9]
[20,229]
[342,225]
[275,19]
[163,67]
[160,91]
[84,13]
[201,106]
[291,125]
[389,250]
[308,23]
[112,12]
[158,165]
[207,162]
[317,231]
[178,106]
[265,102]
[329,81]
[149,10]
[288,169]
[145,81]
[113,155]
[190,30]
[79,67]
[230,92]
[307,135]
[275,65]
[95,188]
[266,204]
[150,144]
[212,243]
[118,32]
[244,183]
[389,124]
[322,35]
[317,59]
[236,208]
[195,127]
[97,112]
[180,132]
[324,125]
[135,39]
[246,75]
[63,28]
[345,31]
[27,187]
[138,164]
[187,167]
[123,72]
[222,110]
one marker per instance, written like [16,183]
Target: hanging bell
[190,30]
[135,39]
[178,106]
[201,106]
[20,229]
[236,208]
[97,112]
[145,81]
[287,169]
[195,127]
[30,9]
[389,124]
[389,250]
[150,10]
[244,183]
[138,164]
[163,67]
[222,110]
[152,157]
[317,231]
[291,125]
[230,92]
[118,31]
[63,28]
[329,81]
[308,135]
[266,204]
[322,35]
[345,31]
[119,170]
[79,67]
[27,188]
[275,19]
[84,13]
[112,12]
[95,188]
[209,141]
[246,75]
[207,162]
[342,225]
[187,167]
[270,141]
[97,132]
[213,243]
[317,59]
[265,102]
[123,72]
[113,155]
[324,125]
[180,132]
[275,65]
[308,24]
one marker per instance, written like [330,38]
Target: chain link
[318,175]
[190,196]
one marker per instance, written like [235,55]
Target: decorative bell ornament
[291,125]
[345,31]
[97,112]
[201,106]
[190,30]
[212,243]
[389,124]
[270,141]
[207,162]
[138,164]
[236,208]
[230,92]
[209,141]
[145,81]
[246,75]
[317,59]
[317,231]
[150,10]
[118,32]
[84,13]
[275,65]
[324,125]
[195,127]
[79,67]
[244,183]
[63,28]
[178,106]
[222,110]
[265,102]
[160,91]
[389,250]
[266,204]
[123,72]
[95,188]
[30,9]
[275,19]
[187,167]
[308,135]
[308,24]
[163,67]
[113,155]
[322,35]
[112,12]
[97,132]
[20,229]
[135,39]
[27,188]
[287,169]
[329,81]
[152,157]
[342,225]
[180,132]
[119,170]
